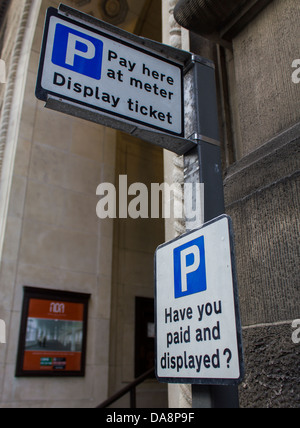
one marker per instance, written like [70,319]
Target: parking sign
[77,51]
[89,69]
[198,329]
[189,268]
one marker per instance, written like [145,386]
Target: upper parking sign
[93,69]
[78,52]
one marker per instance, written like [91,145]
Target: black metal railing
[129,389]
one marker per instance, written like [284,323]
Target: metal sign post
[179,356]
[203,164]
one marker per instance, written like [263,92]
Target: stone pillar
[24,28]
[179,395]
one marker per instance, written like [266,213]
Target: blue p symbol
[78,52]
[189,268]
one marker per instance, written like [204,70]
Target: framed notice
[53,333]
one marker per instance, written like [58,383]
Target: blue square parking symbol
[77,51]
[190,268]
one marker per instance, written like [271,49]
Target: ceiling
[142,17]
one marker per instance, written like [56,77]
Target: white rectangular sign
[95,69]
[198,330]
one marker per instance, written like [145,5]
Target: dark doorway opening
[144,335]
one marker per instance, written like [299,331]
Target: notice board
[53,333]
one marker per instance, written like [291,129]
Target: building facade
[51,165]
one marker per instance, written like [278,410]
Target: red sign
[54,336]
[47,309]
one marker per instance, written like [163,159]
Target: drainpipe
[217,19]
[206,16]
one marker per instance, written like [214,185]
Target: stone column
[174,35]
[13,100]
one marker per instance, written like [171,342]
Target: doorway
[144,335]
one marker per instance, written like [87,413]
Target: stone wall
[276,383]
[268,101]
[262,196]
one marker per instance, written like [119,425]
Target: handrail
[129,388]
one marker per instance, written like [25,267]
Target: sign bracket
[170,52]
[169,142]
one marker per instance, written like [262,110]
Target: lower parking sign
[189,268]
[198,329]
